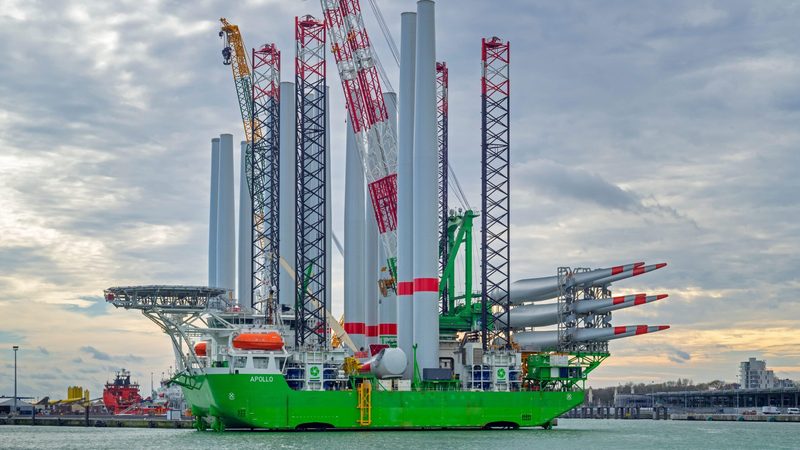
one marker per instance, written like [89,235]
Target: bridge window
[240,362]
[260,362]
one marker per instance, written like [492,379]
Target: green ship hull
[267,402]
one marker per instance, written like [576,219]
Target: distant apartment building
[753,374]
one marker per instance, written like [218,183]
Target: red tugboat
[121,396]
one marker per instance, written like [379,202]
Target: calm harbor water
[570,433]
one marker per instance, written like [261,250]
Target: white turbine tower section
[226,220]
[405,191]
[286,244]
[354,271]
[213,213]
[387,307]
[426,205]
[371,266]
[328,205]
[245,272]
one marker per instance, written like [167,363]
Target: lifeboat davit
[200,349]
[258,341]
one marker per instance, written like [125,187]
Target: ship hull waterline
[267,402]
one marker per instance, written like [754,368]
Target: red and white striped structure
[376,142]
[537,289]
[634,272]
[542,315]
[548,340]
[426,258]
[631,300]
[405,189]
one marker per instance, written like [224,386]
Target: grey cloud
[677,355]
[651,132]
[103,356]
[11,337]
[97,307]
[48,375]
[20,258]
[683,355]
[789,102]
[133,358]
[43,350]
[96,354]
[550,178]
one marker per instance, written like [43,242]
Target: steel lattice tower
[264,172]
[441,128]
[495,193]
[310,238]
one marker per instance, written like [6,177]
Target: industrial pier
[99,421]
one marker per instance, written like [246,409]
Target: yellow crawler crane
[234,55]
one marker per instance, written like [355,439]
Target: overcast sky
[641,131]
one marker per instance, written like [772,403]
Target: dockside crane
[234,55]
[375,138]
[257,92]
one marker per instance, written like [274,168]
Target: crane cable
[387,35]
[382,73]
[385,30]
[458,191]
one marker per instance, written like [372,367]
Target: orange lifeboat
[200,349]
[258,341]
